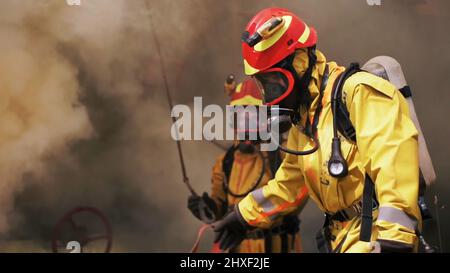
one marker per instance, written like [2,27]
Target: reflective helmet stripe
[247,100]
[249,70]
[305,35]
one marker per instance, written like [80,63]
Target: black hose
[300,153]
[255,185]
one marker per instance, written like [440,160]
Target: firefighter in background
[242,169]
[332,162]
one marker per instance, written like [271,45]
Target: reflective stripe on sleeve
[397,216]
[263,202]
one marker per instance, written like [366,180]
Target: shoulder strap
[274,161]
[346,128]
[365,232]
[227,163]
[344,123]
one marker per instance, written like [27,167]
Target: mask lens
[272,84]
[247,122]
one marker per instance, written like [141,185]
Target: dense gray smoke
[84,120]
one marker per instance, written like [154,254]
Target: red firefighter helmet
[245,120]
[272,35]
[246,93]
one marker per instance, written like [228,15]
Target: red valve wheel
[80,232]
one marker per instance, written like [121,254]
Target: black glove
[231,230]
[202,206]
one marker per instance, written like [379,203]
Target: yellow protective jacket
[245,172]
[386,149]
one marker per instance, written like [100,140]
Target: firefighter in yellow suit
[280,52]
[242,169]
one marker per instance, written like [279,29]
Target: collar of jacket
[300,64]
